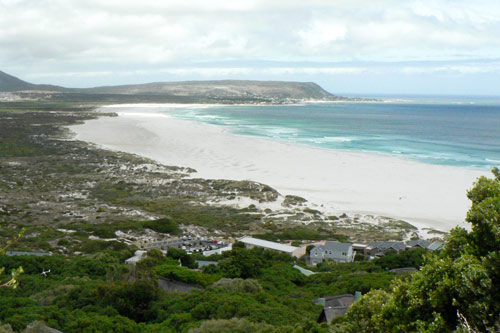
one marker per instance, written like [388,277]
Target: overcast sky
[347,46]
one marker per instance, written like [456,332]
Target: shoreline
[426,195]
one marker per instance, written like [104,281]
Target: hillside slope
[221,90]
[12,83]
[9,83]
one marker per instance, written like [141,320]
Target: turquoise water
[449,131]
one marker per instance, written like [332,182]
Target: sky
[346,46]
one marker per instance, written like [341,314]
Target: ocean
[450,131]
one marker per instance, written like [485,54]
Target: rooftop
[26,253]
[335,246]
[387,245]
[437,245]
[336,301]
[268,244]
[418,242]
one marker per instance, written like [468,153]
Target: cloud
[181,39]
[163,31]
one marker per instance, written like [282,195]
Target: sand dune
[427,195]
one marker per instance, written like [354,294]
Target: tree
[179,254]
[12,282]
[242,263]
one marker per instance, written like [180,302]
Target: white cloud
[125,36]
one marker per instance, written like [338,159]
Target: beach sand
[426,195]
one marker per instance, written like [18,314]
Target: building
[26,253]
[251,242]
[436,246]
[382,248]
[334,306]
[335,251]
[418,244]
[361,248]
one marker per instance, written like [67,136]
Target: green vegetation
[98,292]
[301,233]
[409,258]
[260,290]
[163,225]
[10,282]
[73,199]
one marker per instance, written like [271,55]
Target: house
[251,242]
[138,255]
[436,246]
[418,243]
[381,248]
[334,306]
[335,251]
[361,248]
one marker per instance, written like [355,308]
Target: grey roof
[335,306]
[26,253]
[331,313]
[344,300]
[437,245]
[418,242]
[335,246]
[398,246]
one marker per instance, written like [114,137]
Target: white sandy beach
[424,194]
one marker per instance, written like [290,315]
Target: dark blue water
[445,133]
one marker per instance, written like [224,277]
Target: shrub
[163,225]
[239,285]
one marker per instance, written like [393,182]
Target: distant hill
[9,83]
[221,89]
[12,83]
[206,91]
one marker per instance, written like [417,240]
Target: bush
[230,325]
[63,242]
[239,285]
[410,258]
[186,259]
[163,225]
[183,274]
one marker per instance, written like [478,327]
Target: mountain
[12,83]
[9,83]
[220,90]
